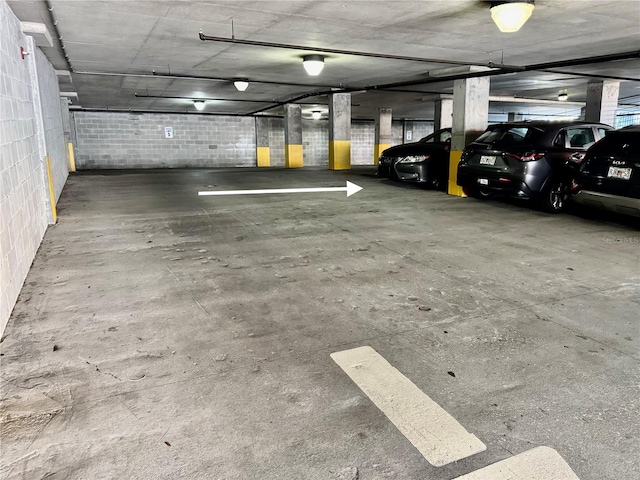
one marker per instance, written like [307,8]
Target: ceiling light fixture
[316,114]
[199,104]
[313,64]
[241,85]
[509,16]
[563,97]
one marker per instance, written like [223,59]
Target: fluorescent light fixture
[199,104]
[563,97]
[509,16]
[316,114]
[313,64]
[241,85]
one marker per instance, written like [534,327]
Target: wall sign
[409,134]
[168,132]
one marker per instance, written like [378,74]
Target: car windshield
[507,135]
[441,136]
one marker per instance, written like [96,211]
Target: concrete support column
[263,155]
[383,133]
[470,119]
[292,136]
[514,117]
[602,101]
[443,114]
[66,128]
[340,131]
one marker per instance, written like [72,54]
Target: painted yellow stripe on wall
[52,192]
[264,156]
[293,156]
[72,157]
[454,159]
[340,155]
[377,151]
[434,432]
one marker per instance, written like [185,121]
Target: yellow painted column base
[340,155]
[293,156]
[264,156]
[454,159]
[52,191]
[72,157]
[378,148]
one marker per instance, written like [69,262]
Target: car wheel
[554,196]
[479,193]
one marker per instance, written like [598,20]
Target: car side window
[580,137]
[560,141]
[445,136]
[602,132]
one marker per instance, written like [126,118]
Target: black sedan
[425,161]
[533,160]
[609,176]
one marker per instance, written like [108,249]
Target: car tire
[478,192]
[555,196]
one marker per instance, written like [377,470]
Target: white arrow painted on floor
[351,189]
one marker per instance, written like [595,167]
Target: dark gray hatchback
[532,160]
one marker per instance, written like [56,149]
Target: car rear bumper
[507,185]
[607,201]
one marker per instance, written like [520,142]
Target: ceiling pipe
[611,57]
[54,23]
[219,99]
[188,112]
[590,75]
[287,46]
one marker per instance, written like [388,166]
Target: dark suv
[532,160]
[609,176]
[425,161]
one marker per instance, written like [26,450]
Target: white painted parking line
[435,433]
[540,463]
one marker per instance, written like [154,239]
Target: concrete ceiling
[130,40]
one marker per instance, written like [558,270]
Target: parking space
[160,334]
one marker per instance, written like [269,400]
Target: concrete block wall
[363,136]
[276,141]
[55,145]
[315,142]
[24,194]
[127,140]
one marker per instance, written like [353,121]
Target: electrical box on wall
[168,132]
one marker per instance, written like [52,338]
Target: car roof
[544,124]
[630,128]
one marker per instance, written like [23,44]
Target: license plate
[621,173]
[483,181]
[487,160]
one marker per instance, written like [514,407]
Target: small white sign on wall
[409,134]
[168,132]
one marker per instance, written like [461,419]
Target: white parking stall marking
[540,463]
[435,433]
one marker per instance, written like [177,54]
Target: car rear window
[507,135]
[618,143]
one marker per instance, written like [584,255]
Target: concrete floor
[162,335]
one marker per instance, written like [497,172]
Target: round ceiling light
[313,64]
[241,85]
[509,16]
[563,97]
[199,104]
[316,114]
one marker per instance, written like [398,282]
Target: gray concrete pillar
[470,119]
[340,131]
[292,136]
[66,129]
[443,114]
[514,117]
[384,133]
[263,154]
[602,101]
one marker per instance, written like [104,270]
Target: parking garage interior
[202,276]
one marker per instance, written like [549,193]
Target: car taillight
[527,157]
[575,186]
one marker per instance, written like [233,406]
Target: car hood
[414,149]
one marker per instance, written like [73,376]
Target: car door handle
[576,157]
